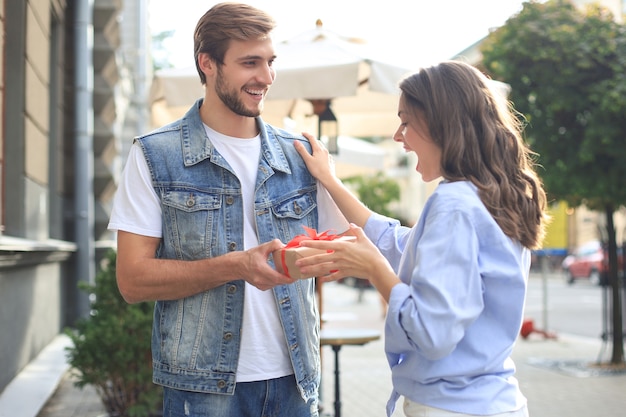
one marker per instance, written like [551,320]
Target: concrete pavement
[559,377]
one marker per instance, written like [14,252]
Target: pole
[83,151]
[544,281]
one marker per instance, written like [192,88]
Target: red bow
[311,234]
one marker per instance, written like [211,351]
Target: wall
[55,156]
[33,276]
[2,43]
[30,314]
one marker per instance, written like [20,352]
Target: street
[574,309]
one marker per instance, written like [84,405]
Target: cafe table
[338,337]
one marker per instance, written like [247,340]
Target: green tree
[376,191]
[565,67]
[160,54]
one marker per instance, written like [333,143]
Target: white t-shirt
[137,210]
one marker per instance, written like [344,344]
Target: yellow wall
[556,233]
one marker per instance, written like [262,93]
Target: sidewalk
[555,375]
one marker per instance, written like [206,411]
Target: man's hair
[225,22]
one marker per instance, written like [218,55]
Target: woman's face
[413,134]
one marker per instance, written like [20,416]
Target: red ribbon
[311,234]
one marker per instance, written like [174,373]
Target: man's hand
[258,271]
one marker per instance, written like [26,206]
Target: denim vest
[195,340]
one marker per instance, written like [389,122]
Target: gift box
[285,258]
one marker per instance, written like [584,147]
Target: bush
[111,348]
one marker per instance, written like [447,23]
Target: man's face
[245,77]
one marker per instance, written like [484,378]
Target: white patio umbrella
[316,65]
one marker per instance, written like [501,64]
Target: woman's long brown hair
[481,140]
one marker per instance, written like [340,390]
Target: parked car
[584,263]
[589,261]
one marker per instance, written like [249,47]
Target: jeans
[413,409]
[272,398]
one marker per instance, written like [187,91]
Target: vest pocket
[295,207]
[190,217]
[190,201]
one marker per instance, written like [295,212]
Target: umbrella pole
[326,123]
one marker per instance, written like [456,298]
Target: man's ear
[206,63]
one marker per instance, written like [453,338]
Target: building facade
[69,91]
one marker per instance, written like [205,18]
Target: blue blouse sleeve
[441,293]
[389,236]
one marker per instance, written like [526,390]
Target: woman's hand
[319,162]
[359,258]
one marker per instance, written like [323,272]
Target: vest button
[232,246]
[228,336]
[230,199]
[221,383]
[232,289]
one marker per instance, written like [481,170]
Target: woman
[456,281]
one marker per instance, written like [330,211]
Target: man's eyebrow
[254,57]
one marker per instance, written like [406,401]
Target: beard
[230,97]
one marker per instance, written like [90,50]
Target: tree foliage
[566,67]
[160,55]
[566,71]
[111,348]
[376,191]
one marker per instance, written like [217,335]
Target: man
[202,204]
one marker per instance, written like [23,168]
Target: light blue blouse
[455,317]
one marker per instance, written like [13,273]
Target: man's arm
[143,277]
